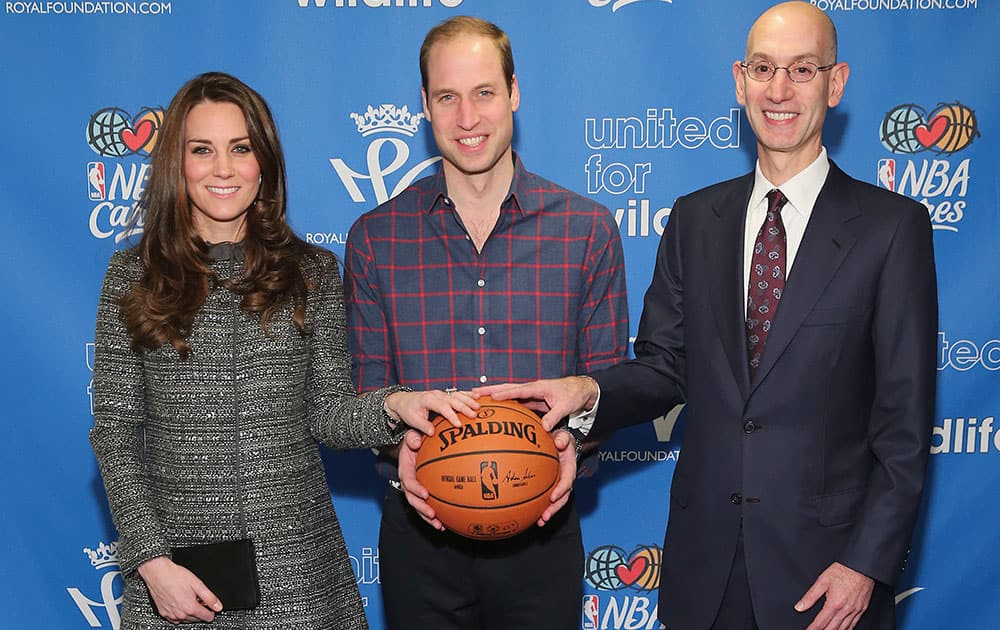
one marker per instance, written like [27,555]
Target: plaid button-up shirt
[544,298]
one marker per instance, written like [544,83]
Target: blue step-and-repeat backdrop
[628,101]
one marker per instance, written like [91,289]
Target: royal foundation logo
[628,581]
[894,5]
[658,129]
[940,182]
[88,7]
[387,171]
[104,611]
[620,4]
[115,183]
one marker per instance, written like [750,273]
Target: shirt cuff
[584,420]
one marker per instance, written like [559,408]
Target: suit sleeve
[904,334]
[651,384]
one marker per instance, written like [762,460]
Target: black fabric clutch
[228,569]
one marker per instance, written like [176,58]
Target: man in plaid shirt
[483,273]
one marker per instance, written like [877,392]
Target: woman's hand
[416,408]
[179,595]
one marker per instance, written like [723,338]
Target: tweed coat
[224,445]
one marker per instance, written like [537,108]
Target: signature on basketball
[517,480]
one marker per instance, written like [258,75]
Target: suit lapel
[724,249]
[825,246]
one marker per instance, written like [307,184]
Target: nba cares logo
[948,128]
[610,568]
[113,132]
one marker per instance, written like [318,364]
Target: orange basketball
[492,477]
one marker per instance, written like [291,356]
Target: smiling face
[469,107]
[220,170]
[787,117]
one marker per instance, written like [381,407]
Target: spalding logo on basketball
[492,477]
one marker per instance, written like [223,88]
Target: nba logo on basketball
[887,174]
[590,612]
[488,479]
[95,180]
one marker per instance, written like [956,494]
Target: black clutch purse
[228,569]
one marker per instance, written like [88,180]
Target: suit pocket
[840,507]
[829,316]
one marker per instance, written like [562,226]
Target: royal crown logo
[386,155]
[387,118]
[104,556]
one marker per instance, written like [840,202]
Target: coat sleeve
[338,417]
[653,382]
[119,416]
[904,337]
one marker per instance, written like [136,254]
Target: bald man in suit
[794,311]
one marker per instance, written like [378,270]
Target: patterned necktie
[767,278]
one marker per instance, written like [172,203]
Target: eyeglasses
[798,72]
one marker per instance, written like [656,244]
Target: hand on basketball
[554,398]
[566,445]
[179,595]
[416,494]
[847,595]
[417,408]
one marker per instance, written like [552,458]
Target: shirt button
[736,498]
[749,427]
[482,379]
[481,283]
[481,330]
[446,201]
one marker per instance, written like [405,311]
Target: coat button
[736,498]
[749,427]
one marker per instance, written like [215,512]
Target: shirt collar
[801,190]
[520,186]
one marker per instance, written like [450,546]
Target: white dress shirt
[801,192]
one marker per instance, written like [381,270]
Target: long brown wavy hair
[177,276]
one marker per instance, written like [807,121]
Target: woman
[221,359]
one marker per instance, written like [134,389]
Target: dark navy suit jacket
[821,456]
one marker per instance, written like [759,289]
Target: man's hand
[179,595]
[555,398]
[416,494]
[847,595]
[566,445]
[416,408]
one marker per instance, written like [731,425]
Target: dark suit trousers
[736,610]
[440,580]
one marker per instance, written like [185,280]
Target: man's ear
[838,82]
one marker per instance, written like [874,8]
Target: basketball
[491,478]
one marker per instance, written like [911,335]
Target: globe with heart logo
[113,132]
[899,129]
[610,568]
[950,127]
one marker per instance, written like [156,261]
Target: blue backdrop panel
[628,101]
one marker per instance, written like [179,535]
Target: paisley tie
[767,278]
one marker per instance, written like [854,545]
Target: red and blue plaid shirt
[544,298]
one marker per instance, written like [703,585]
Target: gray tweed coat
[224,443]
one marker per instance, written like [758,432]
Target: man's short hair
[468,25]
